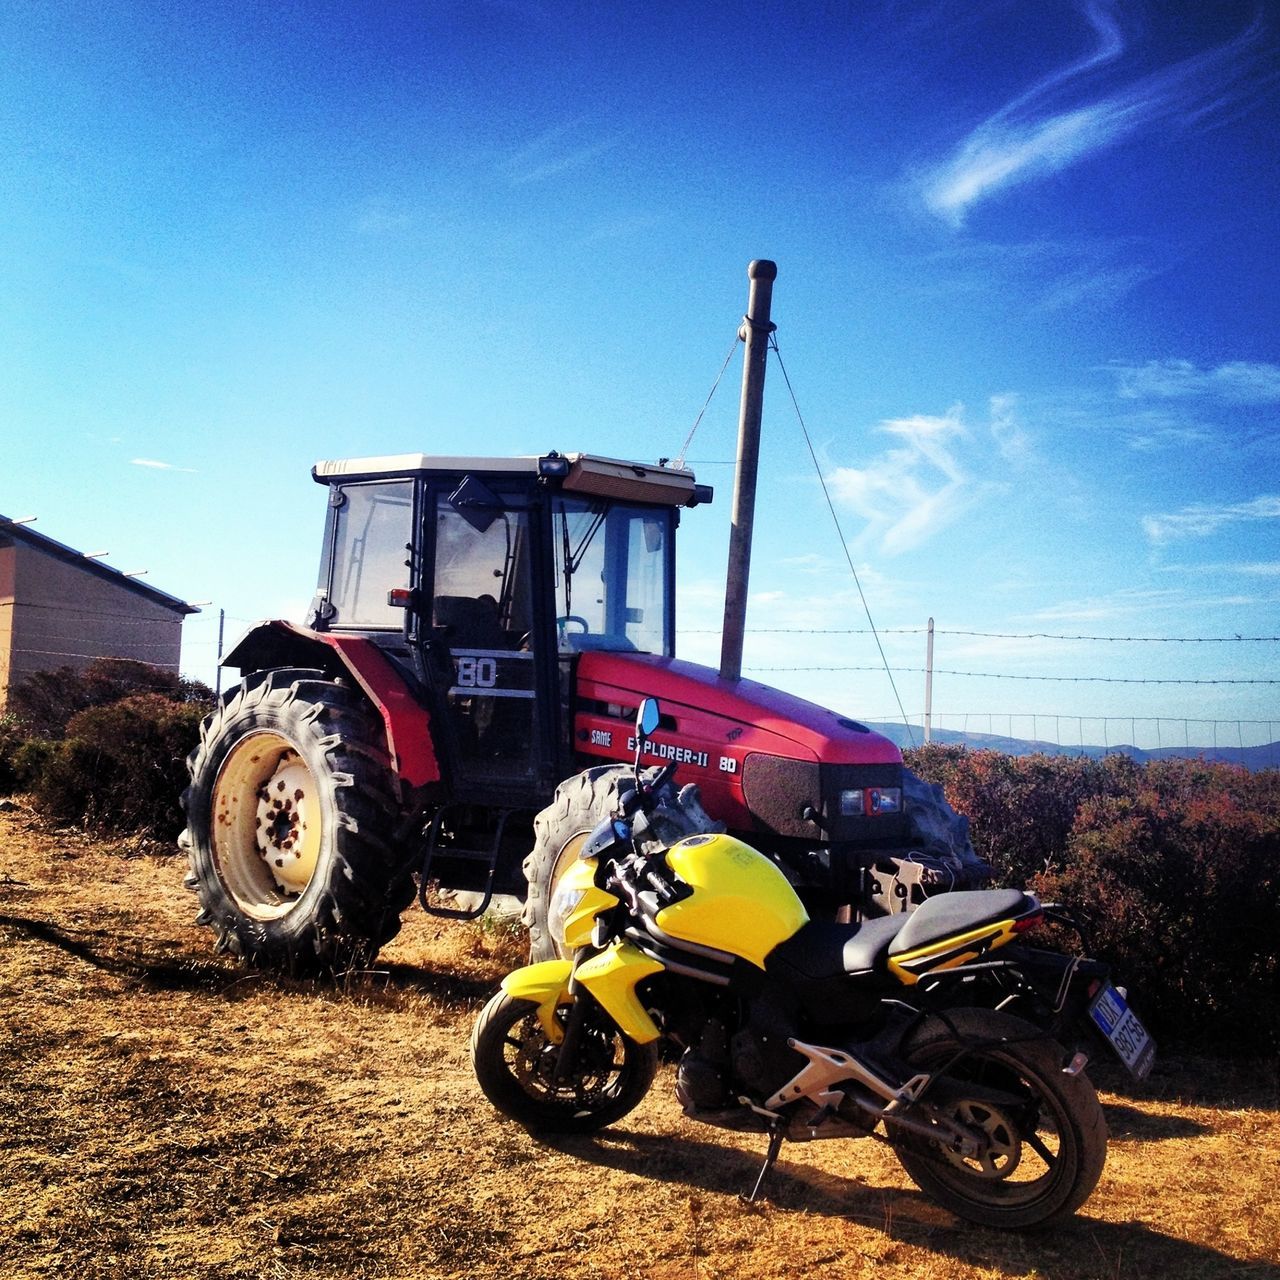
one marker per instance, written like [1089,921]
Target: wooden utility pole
[755,331]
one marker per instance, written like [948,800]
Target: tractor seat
[470,622]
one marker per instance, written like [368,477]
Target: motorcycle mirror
[647,717]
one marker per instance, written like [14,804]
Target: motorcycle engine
[701,1083]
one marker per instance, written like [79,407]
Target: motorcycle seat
[826,950]
[959,912]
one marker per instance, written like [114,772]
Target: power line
[991,635]
[996,675]
[835,520]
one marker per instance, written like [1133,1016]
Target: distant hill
[1266,756]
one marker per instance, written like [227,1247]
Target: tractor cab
[484,579]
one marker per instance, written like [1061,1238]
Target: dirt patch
[165,1113]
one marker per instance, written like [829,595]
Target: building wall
[53,614]
[8,557]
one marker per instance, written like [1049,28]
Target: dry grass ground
[164,1114]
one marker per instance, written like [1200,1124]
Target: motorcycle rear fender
[547,985]
[612,977]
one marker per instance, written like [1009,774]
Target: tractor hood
[763,758]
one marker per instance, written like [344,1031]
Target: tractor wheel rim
[266,825]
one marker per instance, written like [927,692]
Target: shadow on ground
[1130,1249]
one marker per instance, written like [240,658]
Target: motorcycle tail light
[1028,922]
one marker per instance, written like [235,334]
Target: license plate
[1125,1033]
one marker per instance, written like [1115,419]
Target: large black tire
[1046,1154]
[290,813]
[515,1064]
[580,804]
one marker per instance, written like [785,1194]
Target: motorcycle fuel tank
[739,903]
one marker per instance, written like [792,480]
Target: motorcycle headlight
[563,902]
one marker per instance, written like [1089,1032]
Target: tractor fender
[406,721]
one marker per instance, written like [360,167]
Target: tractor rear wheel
[290,815]
[580,804]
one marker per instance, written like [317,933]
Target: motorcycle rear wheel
[516,1063]
[1044,1153]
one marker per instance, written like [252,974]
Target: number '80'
[477,673]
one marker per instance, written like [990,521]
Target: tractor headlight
[884,799]
[861,802]
[851,803]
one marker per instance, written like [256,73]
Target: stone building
[61,608]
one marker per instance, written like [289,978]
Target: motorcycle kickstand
[770,1158]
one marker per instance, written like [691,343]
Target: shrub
[122,767]
[1175,863]
[29,761]
[11,738]
[46,702]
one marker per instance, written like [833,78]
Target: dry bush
[1176,865]
[45,703]
[122,767]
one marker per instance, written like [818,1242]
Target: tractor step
[484,861]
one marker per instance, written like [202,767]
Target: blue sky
[1028,300]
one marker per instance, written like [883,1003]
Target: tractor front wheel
[290,815]
[560,830]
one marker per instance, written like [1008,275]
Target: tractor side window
[612,576]
[373,526]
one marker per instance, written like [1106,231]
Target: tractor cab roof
[571,472]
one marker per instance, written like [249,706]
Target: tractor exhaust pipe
[755,331]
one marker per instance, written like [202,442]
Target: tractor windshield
[612,566]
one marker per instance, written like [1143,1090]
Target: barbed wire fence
[1062,730]
[1065,730]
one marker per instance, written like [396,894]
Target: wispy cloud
[159,466]
[1130,602]
[924,483]
[1237,381]
[558,150]
[1074,113]
[1202,519]
[1059,274]
[1012,440]
[909,493]
[383,215]
[1246,569]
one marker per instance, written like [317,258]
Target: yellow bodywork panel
[741,903]
[547,985]
[950,952]
[577,901]
[612,978]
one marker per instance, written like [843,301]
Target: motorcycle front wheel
[518,1068]
[1044,1135]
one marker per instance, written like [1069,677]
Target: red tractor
[483,632]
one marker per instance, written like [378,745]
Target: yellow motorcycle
[940,1031]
